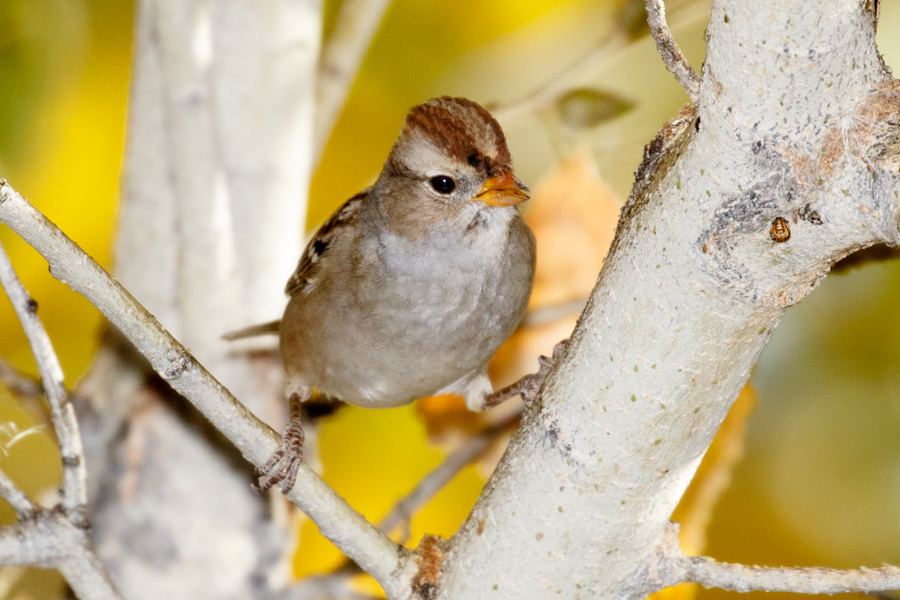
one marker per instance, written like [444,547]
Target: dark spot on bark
[69,460]
[553,433]
[873,7]
[177,365]
[809,215]
[743,214]
[32,306]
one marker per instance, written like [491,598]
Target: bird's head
[452,150]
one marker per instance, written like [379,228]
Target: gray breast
[423,314]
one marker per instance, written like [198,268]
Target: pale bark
[347,529]
[217,168]
[55,538]
[673,567]
[797,120]
[62,414]
[688,296]
[218,165]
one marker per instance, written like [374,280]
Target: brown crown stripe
[437,121]
[503,156]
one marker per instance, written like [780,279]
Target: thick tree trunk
[215,183]
[796,128]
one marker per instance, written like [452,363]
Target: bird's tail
[270,328]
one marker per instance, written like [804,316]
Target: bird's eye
[443,184]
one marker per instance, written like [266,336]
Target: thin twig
[676,567]
[337,520]
[444,473]
[50,539]
[62,413]
[27,390]
[86,576]
[336,583]
[626,29]
[671,54]
[436,480]
[15,496]
[342,55]
[543,96]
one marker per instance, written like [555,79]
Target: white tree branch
[214,195]
[345,527]
[29,542]
[50,539]
[74,488]
[336,585]
[443,474]
[217,167]
[696,281]
[10,492]
[343,53]
[629,24]
[675,567]
[86,576]
[671,54]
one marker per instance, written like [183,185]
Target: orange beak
[503,190]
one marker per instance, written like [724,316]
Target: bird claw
[531,384]
[283,465]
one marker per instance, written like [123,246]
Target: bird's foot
[530,385]
[284,463]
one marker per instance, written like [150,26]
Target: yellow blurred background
[820,482]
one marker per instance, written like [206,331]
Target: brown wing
[304,278]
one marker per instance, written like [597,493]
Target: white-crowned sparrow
[412,285]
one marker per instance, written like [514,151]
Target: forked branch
[675,567]
[61,411]
[55,538]
[338,521]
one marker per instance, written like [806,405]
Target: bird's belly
[411,345]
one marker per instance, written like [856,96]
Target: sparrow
[409,288]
